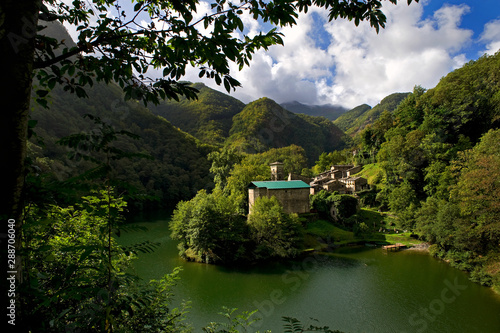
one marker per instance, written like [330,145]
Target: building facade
[293,195]
[339,178]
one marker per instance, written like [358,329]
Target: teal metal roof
[281,184]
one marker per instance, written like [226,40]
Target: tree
[478,193]
[209,228]
[275,233]
[118,48]
[222,164]
[72,287]
[338,207]
[403,201]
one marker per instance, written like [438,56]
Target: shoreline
[422,247]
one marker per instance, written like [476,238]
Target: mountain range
[328,111]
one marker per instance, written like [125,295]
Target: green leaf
[42,93]
[42,102]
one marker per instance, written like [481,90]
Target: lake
[358,289]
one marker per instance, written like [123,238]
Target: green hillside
[356,119]
[329,111]
[345,121]
[264,124]
[179,168]
[209,118]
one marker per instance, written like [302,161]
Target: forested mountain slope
[329,111]
[264,124]
[179,167]
[358,118]
[209,118]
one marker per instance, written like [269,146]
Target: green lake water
[351,289]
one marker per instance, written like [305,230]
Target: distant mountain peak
[329,111]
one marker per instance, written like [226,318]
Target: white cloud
[408,52]
[491,37]
[359,66]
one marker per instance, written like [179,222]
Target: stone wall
[293,200]
[253,194]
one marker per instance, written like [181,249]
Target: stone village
[293,193]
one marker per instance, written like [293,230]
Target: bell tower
[276,171]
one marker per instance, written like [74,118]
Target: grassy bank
[380,231]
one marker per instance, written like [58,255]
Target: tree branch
[100,40]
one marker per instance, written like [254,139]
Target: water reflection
[356,289]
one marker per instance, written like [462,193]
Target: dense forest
[95,155]
[208,118]
[173,165]
[329,111]
[359,117]
[264,124]
[432,158]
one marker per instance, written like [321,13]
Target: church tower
[276,171]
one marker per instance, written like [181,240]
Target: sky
[338,63]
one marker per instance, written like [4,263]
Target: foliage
[208,118]
[223,162]
[117,50]
[275,233]
[321,203]
[345,206]
[334,206]
[293,158]
[71,283]
[210,229]
[177,171]
[235,323]
[243,322]
[477,192]
[403,201]
[293,325]
[438,151]
[360,229]
[344,121]
[239,179]
[326,160]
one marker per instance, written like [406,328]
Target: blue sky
[337,63]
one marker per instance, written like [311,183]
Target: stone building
[293,195]
[339,178]
[276,171]
[355,184]
[334,185]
